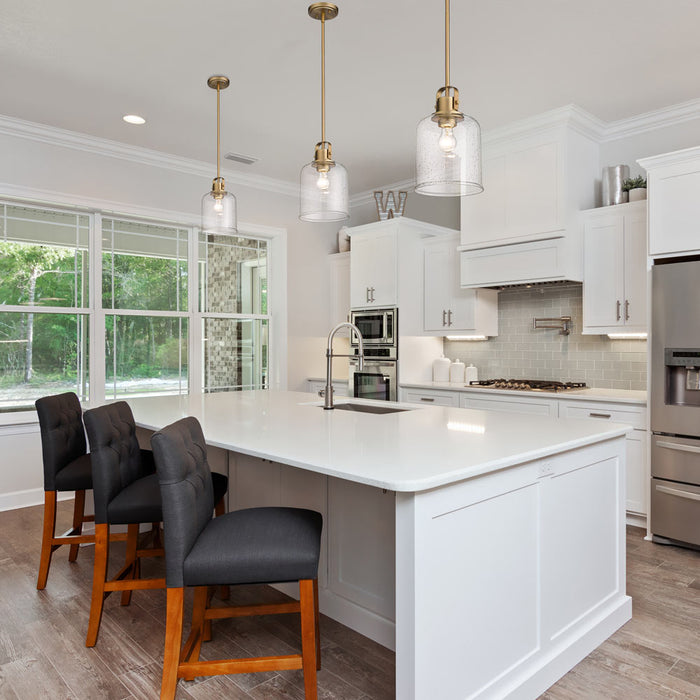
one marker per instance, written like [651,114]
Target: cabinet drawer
[431,398]
[615,413]
[511,404]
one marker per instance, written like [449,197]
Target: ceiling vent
[240,158]
[537,285]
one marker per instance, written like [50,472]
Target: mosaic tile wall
[223,352]
[520,351]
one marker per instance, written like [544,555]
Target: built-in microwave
[377,326]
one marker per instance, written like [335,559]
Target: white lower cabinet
[316,386]
[510,404]
[361,530]
[430,397]
[636,498]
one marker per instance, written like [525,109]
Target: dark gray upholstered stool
[67,467]
[255,545]
[126,492]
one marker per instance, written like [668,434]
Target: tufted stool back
[62,434]
[117,460]
[186,488]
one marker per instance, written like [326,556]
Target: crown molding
[656,119]
[106,207]
[675,158]
[367,197]
[143,156]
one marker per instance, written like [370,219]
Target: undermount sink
[367,408]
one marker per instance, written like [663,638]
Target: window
[144,296]
[158,312]
[44,303]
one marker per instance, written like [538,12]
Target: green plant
[632,183]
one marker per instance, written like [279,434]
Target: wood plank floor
[42,635]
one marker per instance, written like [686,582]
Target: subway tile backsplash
[520,351]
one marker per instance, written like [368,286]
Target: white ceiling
[82,64]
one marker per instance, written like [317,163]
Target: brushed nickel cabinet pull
[449,317]
[600,415]
[617,313]
[627,309]
[444,314]
[425,398]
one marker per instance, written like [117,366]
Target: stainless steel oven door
[377,380]
[675,511]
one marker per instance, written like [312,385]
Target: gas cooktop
[529,384]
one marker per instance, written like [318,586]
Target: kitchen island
[506,535]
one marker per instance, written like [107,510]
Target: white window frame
[276,238]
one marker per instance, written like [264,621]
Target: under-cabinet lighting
[466,337]
[467,427]
[133,119]
[627,336]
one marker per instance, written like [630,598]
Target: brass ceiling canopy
[323,10]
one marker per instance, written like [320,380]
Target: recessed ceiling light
[133,119]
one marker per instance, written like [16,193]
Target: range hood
[545,263]
[560,284]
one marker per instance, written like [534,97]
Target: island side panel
[492,600]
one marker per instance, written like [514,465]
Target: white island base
[504,576]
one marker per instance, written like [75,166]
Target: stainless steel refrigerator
[675,402]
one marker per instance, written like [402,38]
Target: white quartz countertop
[413,450]
[587,394]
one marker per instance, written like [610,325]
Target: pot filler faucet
[328,393]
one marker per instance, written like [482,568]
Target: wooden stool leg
[317,620]
[78,515]
[46,538]
[193,645]
[308,638]
[99,576]
[132,542]
[173,641]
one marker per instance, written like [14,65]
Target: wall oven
[675,403]
[379,376]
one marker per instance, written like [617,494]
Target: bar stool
[67,467]
[254,545]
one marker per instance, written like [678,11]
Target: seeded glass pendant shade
[219,206]
[323,182]
[448,142]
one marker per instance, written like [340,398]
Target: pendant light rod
[218,83]
[447,42]
[323,75]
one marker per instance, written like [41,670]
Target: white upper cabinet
[448,309]
[615,270]
[386,261]
[673,180]
[538,175]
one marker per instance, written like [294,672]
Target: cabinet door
[635,311]
[636,499]
[361,528]
[437,279]
[603,273]
[373,270]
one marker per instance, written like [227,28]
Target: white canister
[441,369]
[457,372]
[471,374]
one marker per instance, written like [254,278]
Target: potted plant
[636,187]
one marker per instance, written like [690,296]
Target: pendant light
[324,183]
[448,154]
[219,206]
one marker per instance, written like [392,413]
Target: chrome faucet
[328,392]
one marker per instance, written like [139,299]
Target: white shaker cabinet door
[373,275]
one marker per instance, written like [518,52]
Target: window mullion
[196,359]
[97,316]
